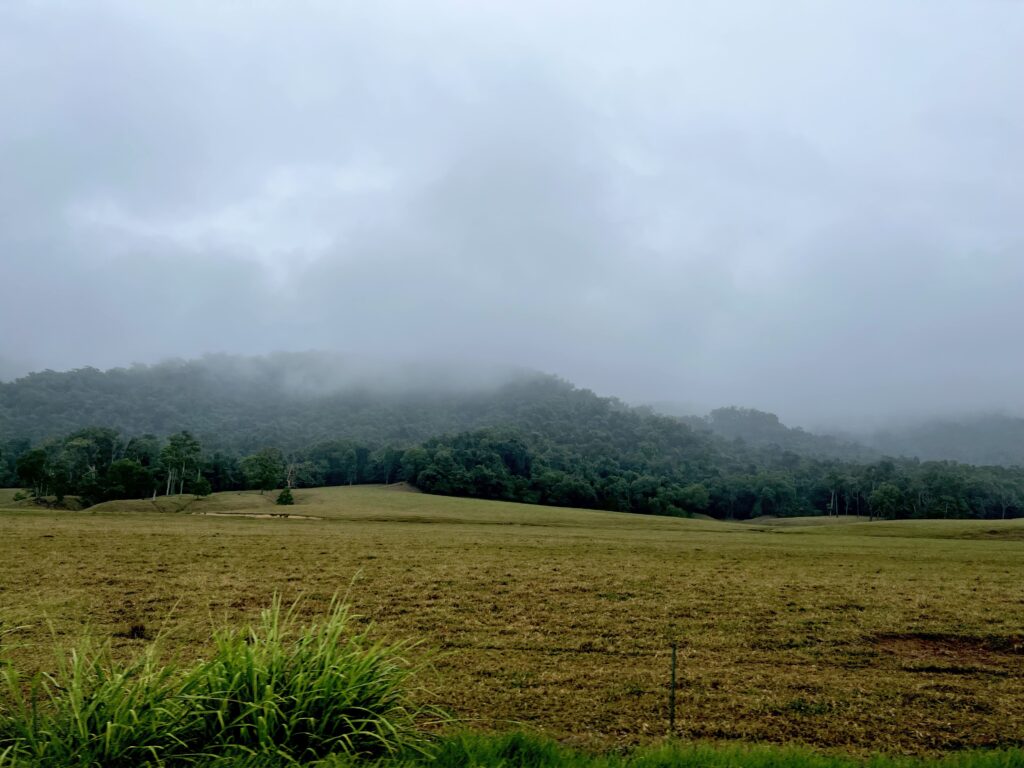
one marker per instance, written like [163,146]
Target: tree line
[654,472]
[224,423]
[97,464]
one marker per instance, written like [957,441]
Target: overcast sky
[815,208]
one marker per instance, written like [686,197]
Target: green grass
[901,637]
[306,692]
[804,522]
[279,690]
[400,504]
[523,750]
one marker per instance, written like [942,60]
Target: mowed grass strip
[893,637]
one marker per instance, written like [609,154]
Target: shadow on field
[948,653]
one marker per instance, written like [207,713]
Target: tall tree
[180,459]
[264,470]
[32,471]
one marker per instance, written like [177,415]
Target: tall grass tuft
[93,711]
[305,692]
[278,693]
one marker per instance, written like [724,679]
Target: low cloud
[813,210]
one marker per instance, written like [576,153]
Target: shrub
[285,497]
[201,487]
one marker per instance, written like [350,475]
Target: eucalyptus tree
[180,458]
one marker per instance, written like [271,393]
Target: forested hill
[761,429]
[224,423]
[240,404]
[988,439]
[289,402]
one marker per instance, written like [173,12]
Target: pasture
[901,637]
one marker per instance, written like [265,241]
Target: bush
[285,497]
[201,487]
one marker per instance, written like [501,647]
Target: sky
[814,208]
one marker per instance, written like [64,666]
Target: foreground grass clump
[308,693]
[92,711]
[278,690]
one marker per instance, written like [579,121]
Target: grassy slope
[398,503]
[1005,530]
[894,636]
[789,522]
[914,529]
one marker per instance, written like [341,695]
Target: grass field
[902,637]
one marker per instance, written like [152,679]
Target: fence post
[672,696]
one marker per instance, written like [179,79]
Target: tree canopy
[191,428]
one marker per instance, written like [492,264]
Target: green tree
[90,452]
[33,472]
[145,450]
[201,487]
[264,470]
[693,498]
[128,479]
[886,501]
[180,459]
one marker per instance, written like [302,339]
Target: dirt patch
[400,487]
[69,503]
[1003,534]
[954,653]
[259,515]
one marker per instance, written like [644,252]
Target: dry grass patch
[562,619]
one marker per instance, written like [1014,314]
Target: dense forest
[225,423]
[762,429]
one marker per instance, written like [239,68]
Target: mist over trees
[242,404]
[981,439]
[233,423]
[762,429]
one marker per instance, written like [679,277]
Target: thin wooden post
[672,696]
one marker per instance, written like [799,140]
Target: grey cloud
[810,208]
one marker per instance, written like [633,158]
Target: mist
[808,208]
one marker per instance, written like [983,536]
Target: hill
[993,439]
[765,430]
[983,440]
[240,404]
[227,423]
[400,503]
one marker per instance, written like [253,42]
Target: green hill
[986,439]
[228,423]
